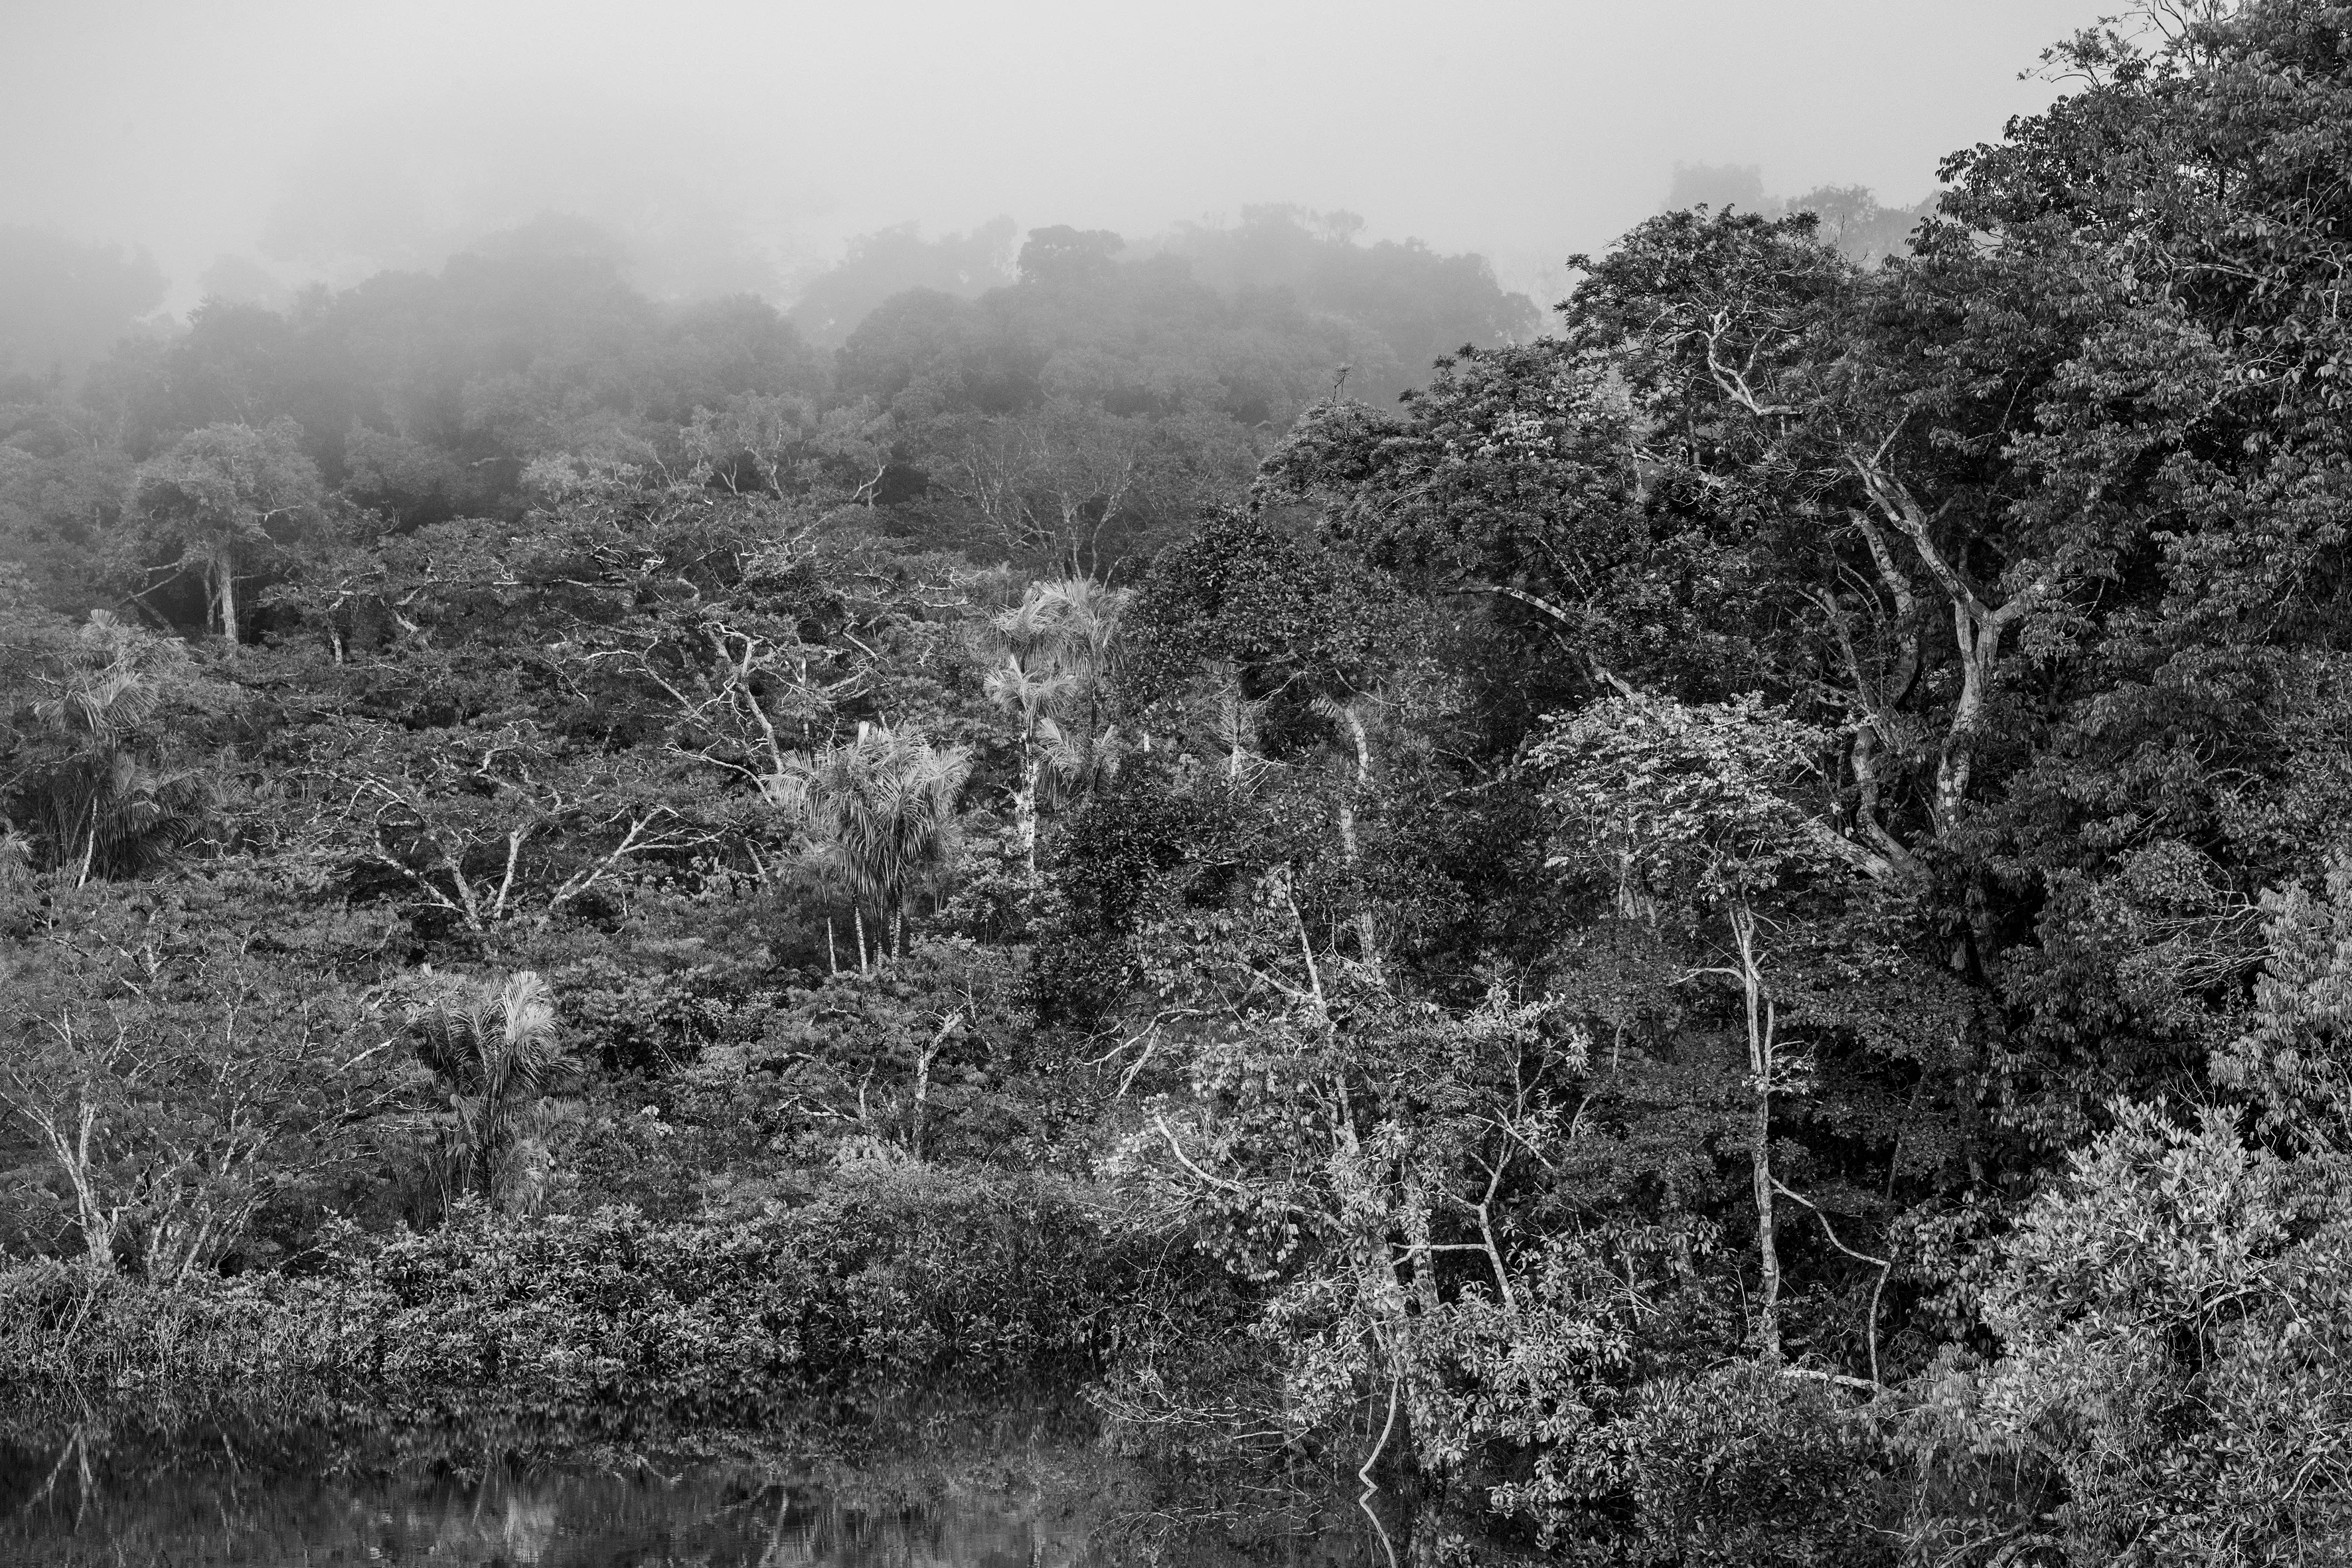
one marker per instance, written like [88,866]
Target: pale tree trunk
[1978,633]
[1368,939]
[73,1156]
[1869,744]
[1391,1306]
[1977,628]
[1024,805]
[1878,694]
[89,847]
[1367,932]
[1759,1157]
[922,1102]
[1759,1130]
[923,1079]
[225,598]
[857,919]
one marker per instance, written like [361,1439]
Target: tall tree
[1681,811]
[219,502]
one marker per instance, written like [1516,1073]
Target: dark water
[78,1497]
[576,1520]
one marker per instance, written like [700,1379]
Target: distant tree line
[1077,408]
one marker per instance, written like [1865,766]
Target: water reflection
[925,1485]
[76,1505]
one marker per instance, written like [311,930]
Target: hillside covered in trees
[1723,936]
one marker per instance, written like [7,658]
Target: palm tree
[1078,759]
[881,814]
[106,807]
[1026,690]
[1056,649]
[495,1047]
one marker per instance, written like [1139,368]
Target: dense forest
[1722,935]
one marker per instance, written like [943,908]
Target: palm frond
[1077,761]
[1025,688]
[449,1036]
[530,1050]
[497,1048]
[880,812]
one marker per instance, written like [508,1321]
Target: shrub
[888,1280]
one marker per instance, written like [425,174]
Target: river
[1018,1492]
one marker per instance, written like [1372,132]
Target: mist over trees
[1715,937]
[1851,220]
[65,304]
[1067,401]
[893,262]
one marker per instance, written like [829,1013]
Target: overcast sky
[326,137]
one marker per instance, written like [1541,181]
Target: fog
[726,145]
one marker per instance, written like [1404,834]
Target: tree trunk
[225,598]
[1414,1218]
[1759,1157]
[73,1156]
[923,1104]
[1977,628]
[1352,721]
[1759,1128]
[1978,637]
[89,846]
[857,919]
[1024,805]
[1367,933]
[923,1079]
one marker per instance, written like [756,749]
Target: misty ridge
[973,381]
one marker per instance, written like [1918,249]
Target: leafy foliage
[1720,938]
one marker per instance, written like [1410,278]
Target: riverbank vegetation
[1718,938]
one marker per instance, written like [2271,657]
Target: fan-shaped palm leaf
[1056,666]
[880,814]
[107,806]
